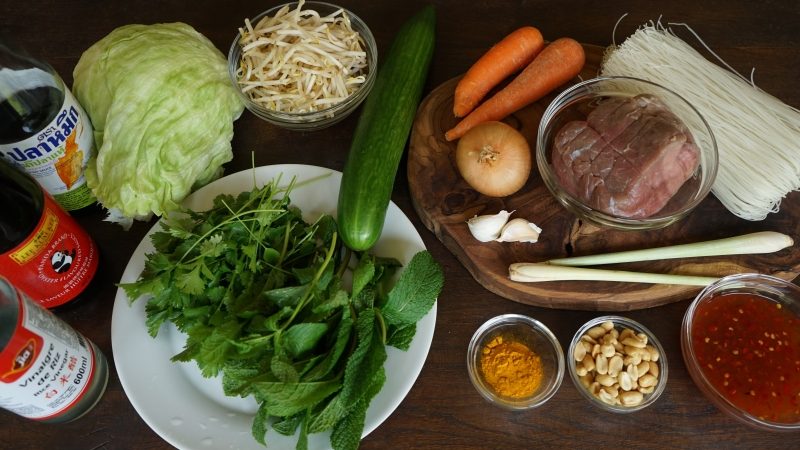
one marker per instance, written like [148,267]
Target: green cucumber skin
[382,132]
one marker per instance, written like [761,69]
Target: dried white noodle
[758,136]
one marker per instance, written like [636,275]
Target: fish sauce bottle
[43,129]
[48,371]
[43,251]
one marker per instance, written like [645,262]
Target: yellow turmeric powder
[511,368]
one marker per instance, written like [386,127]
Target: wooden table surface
[442,410]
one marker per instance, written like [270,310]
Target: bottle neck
[13,81]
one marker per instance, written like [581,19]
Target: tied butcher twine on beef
[628,158]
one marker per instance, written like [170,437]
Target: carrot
[511,54]
[558,63]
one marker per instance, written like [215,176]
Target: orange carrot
[558,63]
[511,54]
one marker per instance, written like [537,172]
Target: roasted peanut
[615,365]
[654,368]
[643,368]
[601,364]
[606,380]
[647,390]
[625,381]
[633,342]
[588,362]
[606,397]
[596,332]
[631,398]
[580,352]
[647,380]
[653,352]
[618,366]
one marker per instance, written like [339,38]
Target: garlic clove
[519,230]
[488,227]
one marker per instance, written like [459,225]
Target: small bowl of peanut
[617,364]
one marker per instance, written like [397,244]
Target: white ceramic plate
[191,412]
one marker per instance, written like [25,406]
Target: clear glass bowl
[315,120]
[538,338]
[773,289]
[573,104]
[619,323]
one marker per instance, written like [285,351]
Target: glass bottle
[48,371]
[43,251]
[43,129]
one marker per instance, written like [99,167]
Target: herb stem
[345,262]
[220,225]
[381,324]
[307,295]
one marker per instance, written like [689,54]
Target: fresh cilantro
[260,294]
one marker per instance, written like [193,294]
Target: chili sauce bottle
[48,371]
[43,129]
[43,251]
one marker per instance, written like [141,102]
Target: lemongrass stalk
[538,272]
[753,243]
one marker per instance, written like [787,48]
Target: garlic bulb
[519,230]
[488,227]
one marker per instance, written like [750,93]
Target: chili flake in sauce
[748,348]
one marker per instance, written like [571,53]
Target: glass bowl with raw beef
[626,153]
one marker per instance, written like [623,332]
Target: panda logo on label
[61,260]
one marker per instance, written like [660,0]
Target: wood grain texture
[444,201]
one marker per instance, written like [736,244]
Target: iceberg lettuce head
[162,107]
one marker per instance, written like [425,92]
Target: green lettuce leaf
[162,107]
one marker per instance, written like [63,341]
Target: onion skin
[494,159]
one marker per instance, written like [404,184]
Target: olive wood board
[444,202]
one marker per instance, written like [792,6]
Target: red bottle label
[56,262]
[46,367]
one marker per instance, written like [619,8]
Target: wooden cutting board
[444,201]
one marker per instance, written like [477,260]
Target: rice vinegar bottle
[48,371]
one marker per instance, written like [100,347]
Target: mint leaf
[283,369]
[260,425]
[213,352]
[343,332]
[363,273]
[301,338]
[346,434]
[286,399]
[338,300]
[287,426]
[401,337]
[285,296]
[415,292]
[366,361]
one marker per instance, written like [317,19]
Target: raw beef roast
[628,158]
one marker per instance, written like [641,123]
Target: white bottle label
[46,366]
[57,156]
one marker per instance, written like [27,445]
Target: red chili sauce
[748,348]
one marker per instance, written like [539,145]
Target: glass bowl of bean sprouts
[303,65]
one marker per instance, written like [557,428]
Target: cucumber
[382,132]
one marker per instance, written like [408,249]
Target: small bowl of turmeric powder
[515,362]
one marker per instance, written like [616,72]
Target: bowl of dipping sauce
[515,362]
[617,364]
[740,340]
[303,65]
[626,153]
